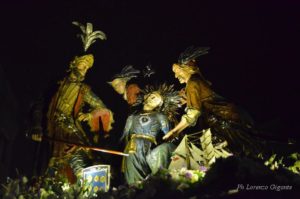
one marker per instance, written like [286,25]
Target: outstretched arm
[193,96]
[177,129]
[188,119]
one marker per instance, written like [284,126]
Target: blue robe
[148,157]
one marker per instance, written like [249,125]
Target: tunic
[71,99]
[142,133]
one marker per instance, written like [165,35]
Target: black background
[253,59]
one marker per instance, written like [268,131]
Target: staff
[37,138]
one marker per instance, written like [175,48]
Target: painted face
[181,74]
[119,85]
[82,68]
[152,101]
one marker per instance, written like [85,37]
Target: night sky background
[253,61]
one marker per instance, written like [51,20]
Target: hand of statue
[84,117]
[169,135]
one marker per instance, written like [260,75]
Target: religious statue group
[153,122]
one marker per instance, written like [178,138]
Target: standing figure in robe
[225,119]
[76,116]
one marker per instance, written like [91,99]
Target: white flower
[65,187]
[182,171]
[195,178]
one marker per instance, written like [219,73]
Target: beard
[181,80]
[78,75]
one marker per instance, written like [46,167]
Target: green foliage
[291,162]
[42,188]
[223,176]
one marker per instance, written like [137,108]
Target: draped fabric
[71,100]
[146,129]
[226,120]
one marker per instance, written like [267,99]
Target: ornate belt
[131,146]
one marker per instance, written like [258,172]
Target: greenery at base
[220,181]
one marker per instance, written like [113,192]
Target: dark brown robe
[225,119]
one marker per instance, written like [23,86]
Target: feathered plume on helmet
[127,72]
[88,36]
[191,54]
[171,99]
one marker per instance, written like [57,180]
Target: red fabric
[78,103]
[132,91]
[68,173]
[103,116]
